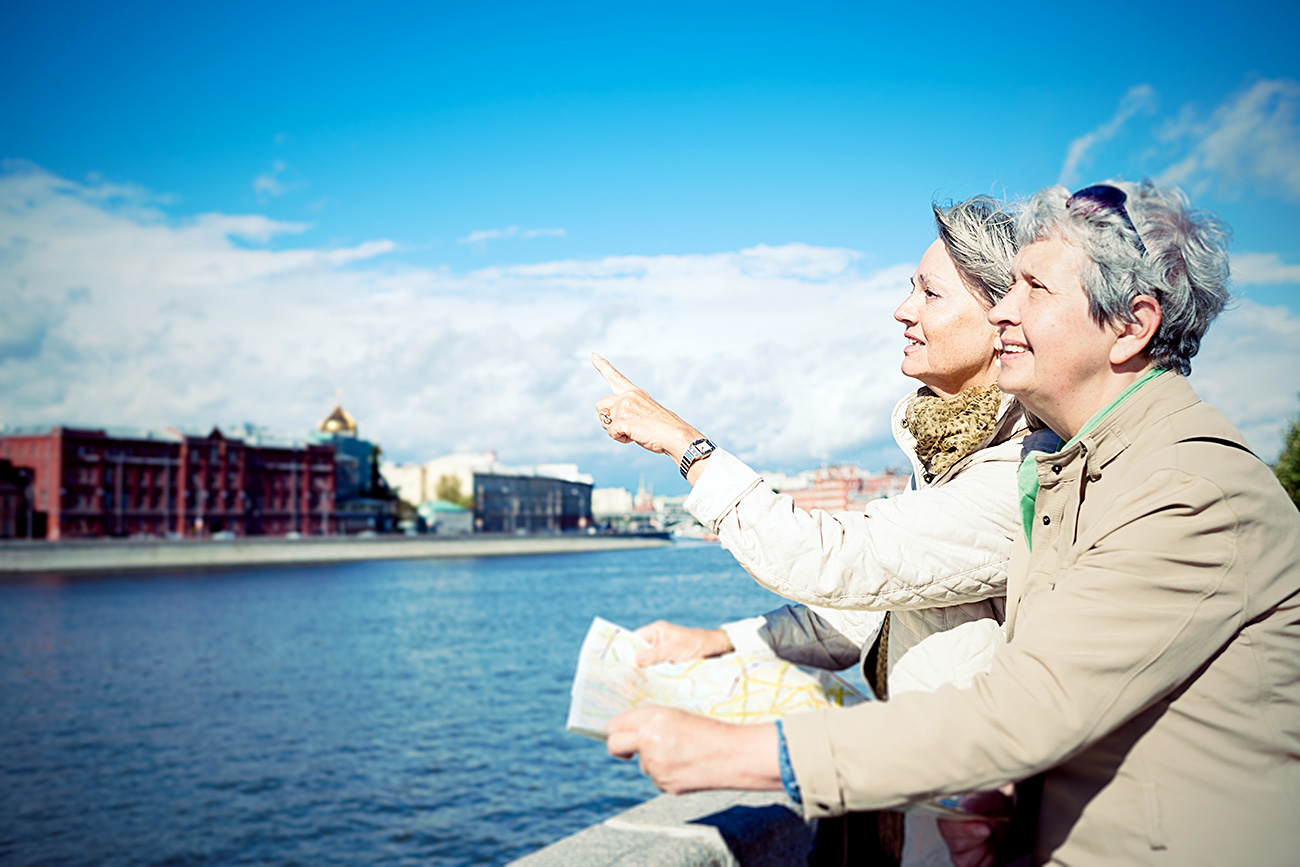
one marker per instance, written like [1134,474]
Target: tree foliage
[1287,467]
[448,488]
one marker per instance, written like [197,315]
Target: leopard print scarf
[948,430]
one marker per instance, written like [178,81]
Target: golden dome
[339,422]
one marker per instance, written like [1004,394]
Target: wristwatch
[701,448]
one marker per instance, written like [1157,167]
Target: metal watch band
[693,453]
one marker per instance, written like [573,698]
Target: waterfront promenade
[113,555]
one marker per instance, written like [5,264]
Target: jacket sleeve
[823,639]
[926,548]
[1156,593]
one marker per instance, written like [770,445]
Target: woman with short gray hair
[1154,243]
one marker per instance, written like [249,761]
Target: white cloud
[481,237]
[1246,368]
[1250,140]
[1262,269]
[788,354]
[271,184]
[1138,100]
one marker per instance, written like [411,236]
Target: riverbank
[116,555]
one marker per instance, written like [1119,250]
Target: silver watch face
[699,449]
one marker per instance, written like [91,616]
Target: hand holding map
[733,688]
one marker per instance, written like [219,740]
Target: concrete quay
[120,555]
[718,829]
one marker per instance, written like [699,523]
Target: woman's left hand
[629,415]
[682,752]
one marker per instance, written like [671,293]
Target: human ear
[1131,338]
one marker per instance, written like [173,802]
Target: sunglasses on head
[1106,196]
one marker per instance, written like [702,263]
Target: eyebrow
[1027,274]
[930,281]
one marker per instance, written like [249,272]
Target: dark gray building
[532,504]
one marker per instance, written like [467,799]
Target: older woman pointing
[1151,676]
[934,558]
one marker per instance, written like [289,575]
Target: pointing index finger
[616,380]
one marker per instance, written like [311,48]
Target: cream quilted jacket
[936,556]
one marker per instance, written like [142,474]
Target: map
[735,688]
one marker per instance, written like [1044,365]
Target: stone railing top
[723,828]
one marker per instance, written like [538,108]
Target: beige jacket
[1152,666]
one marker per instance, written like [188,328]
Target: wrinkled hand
[973,843]
[670,642]
[682,752]
[635,417]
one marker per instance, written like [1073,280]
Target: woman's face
[1055,357]
[951,346]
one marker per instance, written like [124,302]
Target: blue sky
[222,214]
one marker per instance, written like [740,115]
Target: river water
[364,713]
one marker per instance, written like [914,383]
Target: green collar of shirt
[1027,476]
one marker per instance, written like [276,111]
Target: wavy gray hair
[980,236]
[1185,266]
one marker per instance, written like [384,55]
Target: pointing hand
[629,415]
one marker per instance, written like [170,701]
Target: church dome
[340,421]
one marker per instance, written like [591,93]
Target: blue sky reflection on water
[217,216]
[361,713]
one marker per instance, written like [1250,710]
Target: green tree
[448,488]
[1287,467]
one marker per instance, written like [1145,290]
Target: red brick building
[91,483]
[846,488]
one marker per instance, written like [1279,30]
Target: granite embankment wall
[112,555]
[705,829]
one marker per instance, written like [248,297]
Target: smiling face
[1055,357]
[951,346]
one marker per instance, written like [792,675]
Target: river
[395,712]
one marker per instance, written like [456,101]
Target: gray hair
[1185,266]
[980,236]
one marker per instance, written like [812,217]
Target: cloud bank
[127,316]
[117,313]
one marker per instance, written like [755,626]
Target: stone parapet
[717,829]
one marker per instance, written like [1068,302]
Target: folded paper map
[735,688]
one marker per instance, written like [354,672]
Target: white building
[606,502]
[418,483]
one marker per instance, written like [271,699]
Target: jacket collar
[1105,437]
[1156,401]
